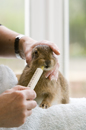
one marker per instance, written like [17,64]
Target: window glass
[77,25]
[12,16]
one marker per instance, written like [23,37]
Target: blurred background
[12,15]
[77,47]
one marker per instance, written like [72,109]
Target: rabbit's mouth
[48,69]
[49,65]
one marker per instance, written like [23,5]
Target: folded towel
[7,78]
[70,116]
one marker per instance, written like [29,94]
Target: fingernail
[46,76]
[58,51]
[52,78]
[34,94]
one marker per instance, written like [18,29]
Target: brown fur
[49,90]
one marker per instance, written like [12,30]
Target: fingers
[26,92]
[20,102]
[28,58]
[52,45]
[53,74]
[29,48]
[19,87]
[29,112]
[26,99]
[31,104]
[29,94]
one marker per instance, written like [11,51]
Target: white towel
[71,116]
[7,78]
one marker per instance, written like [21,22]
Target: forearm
[7,39]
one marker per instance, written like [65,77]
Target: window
[12,16]
[64,23]
[77,17]
[47,21]
[60,21]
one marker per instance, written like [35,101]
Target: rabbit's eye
[36,52]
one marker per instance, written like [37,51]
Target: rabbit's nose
[47,63]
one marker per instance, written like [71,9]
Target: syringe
[36,76]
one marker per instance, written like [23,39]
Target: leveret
[49,92]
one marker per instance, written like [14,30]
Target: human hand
[29,44]
[27,48]
[15,105]
[54,73]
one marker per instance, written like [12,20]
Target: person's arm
[7,39]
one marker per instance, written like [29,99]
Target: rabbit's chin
[48,69]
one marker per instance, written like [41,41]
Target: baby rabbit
[49,92]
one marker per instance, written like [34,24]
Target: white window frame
[49,20]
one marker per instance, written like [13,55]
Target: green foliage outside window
[77,24]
